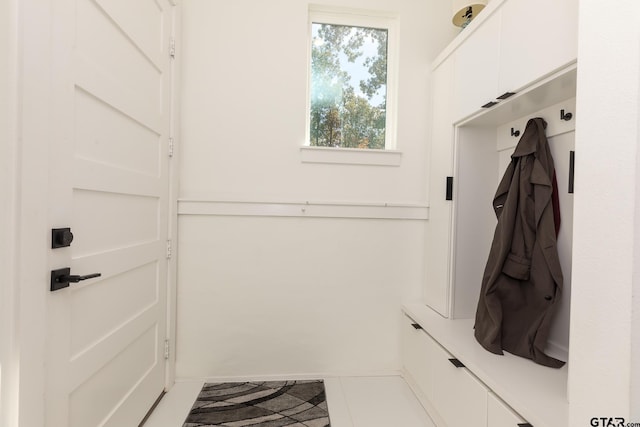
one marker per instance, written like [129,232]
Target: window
[351,102]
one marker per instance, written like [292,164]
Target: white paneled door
[109,183]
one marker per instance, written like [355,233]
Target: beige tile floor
[353,402]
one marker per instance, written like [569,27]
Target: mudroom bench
[461,384]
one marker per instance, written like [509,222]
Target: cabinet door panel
[476,71]
[416,355]
[500,415]
[549,42]
[438,238]
[459,397]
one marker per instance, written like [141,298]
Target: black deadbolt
[61,238]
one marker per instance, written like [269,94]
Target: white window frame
[389,156]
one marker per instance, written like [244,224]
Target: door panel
[103,133]
[112,50]
[141,21]
[91,402]
[90,319]
[106,221]
[98,82]
[109,182]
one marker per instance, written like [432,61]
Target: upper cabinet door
[537,38]
[476,71]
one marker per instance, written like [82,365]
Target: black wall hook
[514,132]
[565,116]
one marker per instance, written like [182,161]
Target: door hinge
[169,249]
[172,48]
[171,143]
[167,350]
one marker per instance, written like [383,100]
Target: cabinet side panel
[476,167]
[438,230]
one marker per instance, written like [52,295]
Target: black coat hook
[565,116]
[515,133]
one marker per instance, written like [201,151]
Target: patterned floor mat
[263,404]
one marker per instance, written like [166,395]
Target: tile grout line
[344,396]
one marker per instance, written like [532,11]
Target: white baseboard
[426,404]
[297,376]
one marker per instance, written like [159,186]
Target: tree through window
[348,103]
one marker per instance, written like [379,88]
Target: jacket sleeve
[517,263]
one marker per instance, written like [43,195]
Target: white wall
[267,296]
[635,305]
[25,132]
[244,103]
[275,295]
[635,301]
[603,369]
[8,170]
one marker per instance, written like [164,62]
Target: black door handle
[75,279]
[61,278]
[457,363]
[572,166]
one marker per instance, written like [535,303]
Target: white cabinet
[499,414]
[480,148]
[513,45]
[490,390]
[452,394]
[416,355]
[476,70]
[549,42]
[458,397]
[437,244]
[517,46]
[455,397]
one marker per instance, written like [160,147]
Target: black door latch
[61,278]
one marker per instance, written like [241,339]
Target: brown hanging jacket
[522,281]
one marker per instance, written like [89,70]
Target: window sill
[350,156]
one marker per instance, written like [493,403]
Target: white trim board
[304,209]
[292,376]
[350,156]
